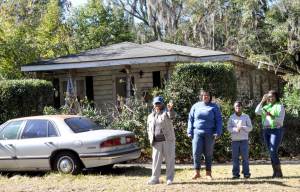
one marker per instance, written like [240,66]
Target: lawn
[134,178]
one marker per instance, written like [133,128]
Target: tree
[28,34]
[18,18]
[162,16]
[52,34]
[98,25]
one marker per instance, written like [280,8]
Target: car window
[51,130]
[81,124]
[10,130]
[38,128]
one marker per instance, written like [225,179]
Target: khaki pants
[160,150]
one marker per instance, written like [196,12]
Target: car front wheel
[67,163]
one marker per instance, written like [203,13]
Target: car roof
[62,117]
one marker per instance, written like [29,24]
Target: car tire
[67,163]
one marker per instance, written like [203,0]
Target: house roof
[128,53]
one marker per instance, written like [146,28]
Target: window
[10,131]
[38,128]
[156,79]
[79,85]
[121,86]
[79,124]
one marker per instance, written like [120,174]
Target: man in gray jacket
[162,139]
[239,125]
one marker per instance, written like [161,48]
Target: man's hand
[170,106]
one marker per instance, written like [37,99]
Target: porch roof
[128,53]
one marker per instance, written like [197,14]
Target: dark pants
[273,138]
[203,143]
[240,148]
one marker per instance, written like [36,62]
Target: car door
[38,140]
[8,138]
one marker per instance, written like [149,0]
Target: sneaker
[152,182]
[196,176]
[208,177]
[169,182]
[235,177]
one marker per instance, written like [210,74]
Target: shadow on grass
[127,171]
[10,174]
[229,182]
[285,177]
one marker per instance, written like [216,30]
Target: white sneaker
[169,182]
[152,182]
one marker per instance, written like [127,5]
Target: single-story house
[108,73]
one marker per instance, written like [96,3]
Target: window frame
[2,127]
[48,121]
[63,80]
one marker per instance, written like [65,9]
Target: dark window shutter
[156,79]
[56,94]
[89,84]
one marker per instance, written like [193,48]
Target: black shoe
[247,176]
[235,177]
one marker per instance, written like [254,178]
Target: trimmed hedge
[24,98]
[183,88]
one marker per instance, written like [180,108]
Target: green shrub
[291,99]
[183,89]
[24,97]
[132,116]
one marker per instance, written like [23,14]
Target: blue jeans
[240,148]
[203,143]
[273,138]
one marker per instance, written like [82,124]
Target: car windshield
[81,124]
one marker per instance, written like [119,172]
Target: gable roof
[128,53]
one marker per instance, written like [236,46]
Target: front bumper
[107,158]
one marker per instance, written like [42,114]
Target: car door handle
[50,144]
[11,146]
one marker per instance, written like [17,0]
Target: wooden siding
[251,82]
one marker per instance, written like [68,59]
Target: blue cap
[158,99]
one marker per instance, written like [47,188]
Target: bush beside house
[291,100]
[183,88]
[24,97]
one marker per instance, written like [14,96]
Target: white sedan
[65,143]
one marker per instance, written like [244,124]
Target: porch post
[128,81]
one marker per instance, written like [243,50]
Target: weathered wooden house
[109,73]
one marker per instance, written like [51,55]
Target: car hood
[102,134]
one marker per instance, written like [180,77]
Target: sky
[76,3]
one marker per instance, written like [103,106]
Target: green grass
[134,179]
